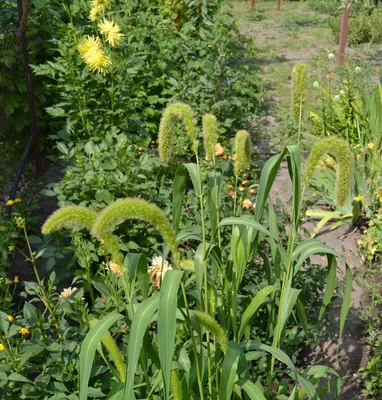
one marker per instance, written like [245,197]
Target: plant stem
[7,349]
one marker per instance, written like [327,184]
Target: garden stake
[344,32]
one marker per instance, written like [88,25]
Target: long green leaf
[255,304]
[179,191]
[229,371]
[307,249]
[346,301]
[167,324]
[253,392]
[330,284]
[250,223]
[250,345]
[89,347]
[199,264]
[294,168]
[140,322]
[291,296]
[195,178]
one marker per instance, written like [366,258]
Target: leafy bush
[201,61]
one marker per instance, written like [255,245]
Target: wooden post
[344,32]
[30,95]
[278,5]
[253,4]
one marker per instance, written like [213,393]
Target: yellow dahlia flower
[91,52]
[111,31]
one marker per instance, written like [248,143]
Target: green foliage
[340,151]
[371,242]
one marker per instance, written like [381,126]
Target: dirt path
[280,40]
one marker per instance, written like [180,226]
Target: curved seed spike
[340,151]
[210,135]
[65,217]
[172,114]
[299,85]
[242,151]
[209,323]
[124,209]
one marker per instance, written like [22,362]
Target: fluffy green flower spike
[340,151]
[124,209]
[242,151]
[67,216]
[210,135]
[299,85]
[209,323]
[172,114]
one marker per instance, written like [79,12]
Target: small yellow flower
[114,268]
[378,193]
[17,200]
[252,191]
[241,188]
[112,32]
[9,203]
[97,7]
[2,228]
[1,347]
[219,151]
[370,145]
[245,183]
[247,204]
[16,279]
[358,198]
[10,318]
[24,331]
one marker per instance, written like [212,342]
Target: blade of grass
[167,324]
[89,347]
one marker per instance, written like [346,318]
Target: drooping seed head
[66,217]
[340,151]
[172,115]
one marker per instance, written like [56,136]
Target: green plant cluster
[200,61]
[223,310]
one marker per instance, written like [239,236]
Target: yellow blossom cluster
[91,52]
[112,32]
[97,7]
[13,202]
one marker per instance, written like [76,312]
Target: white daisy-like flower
[337,98]
[358,70]
[157,270]
[316,85]
[331,56]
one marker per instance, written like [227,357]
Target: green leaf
[89,347]
[307,249]
[330,284]
[255,304]
[253,392]
[195,178]
[167,324]
[246,222]
[139,325]
[346,301]
[229,371]
[179,191]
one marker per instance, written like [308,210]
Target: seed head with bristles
[173,113]
[66,217]
[210,135]
[340,151]
[137,209]
[299,86]
[242,151]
